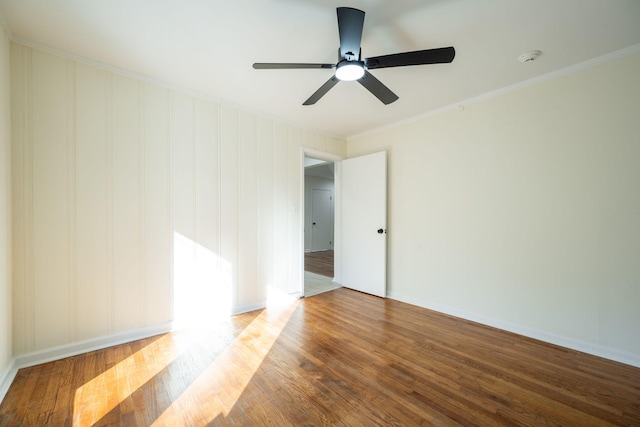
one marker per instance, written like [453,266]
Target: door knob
[380,231]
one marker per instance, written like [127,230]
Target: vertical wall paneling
[280,205]
[94,293]
[19,128]
[207,222]
[265,203]
[295,250]
[207,164]
[142,284]
[6,312]
[156,206]
[50,203]
[182,158]
[131,202]
[72,265]
[126,204]
[183,174]
[108,202]
[29,291]
[229,200]
[247,236]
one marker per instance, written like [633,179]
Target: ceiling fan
[350,65]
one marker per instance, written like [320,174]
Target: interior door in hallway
[364,223]
[321,220]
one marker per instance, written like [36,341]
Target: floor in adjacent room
[318,274]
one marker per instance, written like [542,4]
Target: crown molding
[4,25]
[618,54]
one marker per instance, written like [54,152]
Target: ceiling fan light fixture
[349,70]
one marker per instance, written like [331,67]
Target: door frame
[337,212]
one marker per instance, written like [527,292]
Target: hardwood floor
[339,358]
[319,263]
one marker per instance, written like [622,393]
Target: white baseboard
[79,347]
[245,308]
[73,349]
[7,377]
[582,346]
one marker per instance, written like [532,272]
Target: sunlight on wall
[201,284]
[215,392]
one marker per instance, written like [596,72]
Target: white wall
[523,211]
[6,346]
[125,190]
[311,183]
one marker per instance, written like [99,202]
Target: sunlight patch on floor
[202,297]
[218,388]
[99,396]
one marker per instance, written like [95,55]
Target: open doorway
[319,226]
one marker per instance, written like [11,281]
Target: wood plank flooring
[340,358]
[319,263]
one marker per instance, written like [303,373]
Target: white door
[364,223]
[321,220]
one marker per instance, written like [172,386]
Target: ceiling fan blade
[376,87]
[441,55]
[350,23]
[281,66]
[322,91]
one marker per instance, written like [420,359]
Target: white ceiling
[209,46]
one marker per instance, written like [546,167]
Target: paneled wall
[130,197]
[6,346]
